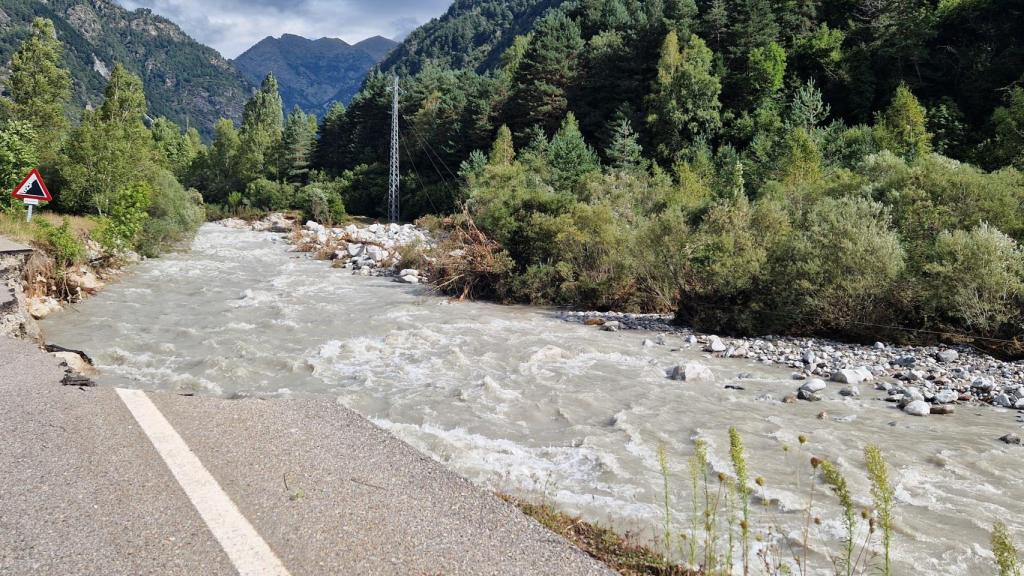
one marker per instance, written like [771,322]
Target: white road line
[245,548]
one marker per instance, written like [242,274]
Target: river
[517,400]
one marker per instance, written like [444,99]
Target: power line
[419,177]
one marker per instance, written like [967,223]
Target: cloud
[232,26]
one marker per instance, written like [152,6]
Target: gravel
[939,375]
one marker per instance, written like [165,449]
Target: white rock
[814,385]
[851,376]
[76,363]
[945,397]
[918,408]
[42,307]
[376,253]
[693,372]
[355,250]
[716,345]
[613,326]
[409,272]
[947,356]
[410,279]
[983,384]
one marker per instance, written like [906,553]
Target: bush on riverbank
[807,237]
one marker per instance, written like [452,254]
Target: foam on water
[517,400]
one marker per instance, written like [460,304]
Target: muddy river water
[517,400]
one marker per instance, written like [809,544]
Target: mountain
[471,34]
[185,81]
[313,73]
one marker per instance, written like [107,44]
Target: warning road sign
[33,188]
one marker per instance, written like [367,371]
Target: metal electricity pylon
[395,180]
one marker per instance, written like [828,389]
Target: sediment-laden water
[517,400]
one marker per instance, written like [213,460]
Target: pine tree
[262,126]
[297,146]
[548,69]
[683,106]
[903,127]
[503,153]
[625,152]
[40,88]
[327,149]
[569,155]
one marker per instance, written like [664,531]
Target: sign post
[32,191]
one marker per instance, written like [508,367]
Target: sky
[232,26]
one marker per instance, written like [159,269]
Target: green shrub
[64,247]
[271,196]
[127,214]
[977,278]
[321,202]
[174,215]
[838,269]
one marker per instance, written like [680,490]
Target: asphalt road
[84,491]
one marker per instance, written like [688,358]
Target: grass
[621,553]
[14,226]
[1005,552]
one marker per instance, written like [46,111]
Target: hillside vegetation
[185,81]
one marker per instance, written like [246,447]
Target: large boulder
[852,375]
[692,372]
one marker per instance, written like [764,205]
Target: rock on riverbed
[936,375]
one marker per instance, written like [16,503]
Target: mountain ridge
[313,74]
[188,82]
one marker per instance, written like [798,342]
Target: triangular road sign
[33,188]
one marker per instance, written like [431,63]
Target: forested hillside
[184,80]
[313,74]
[849,168]
[471,34]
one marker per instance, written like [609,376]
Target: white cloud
[232,26]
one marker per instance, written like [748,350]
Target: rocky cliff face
[313,74]
[185,81]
